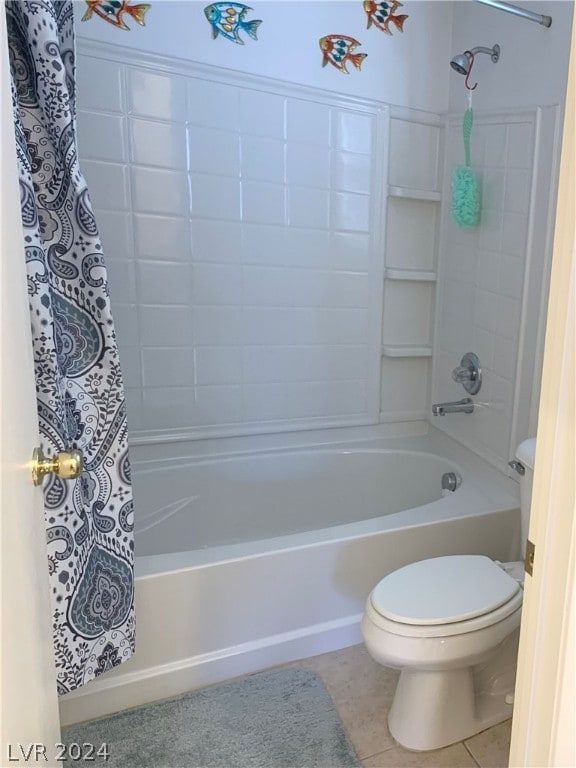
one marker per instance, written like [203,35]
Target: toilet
[451,625]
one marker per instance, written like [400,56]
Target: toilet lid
[443,590]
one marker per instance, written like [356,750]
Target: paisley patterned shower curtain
[79,388]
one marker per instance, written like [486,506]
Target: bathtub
[247,559]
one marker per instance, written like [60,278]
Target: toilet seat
[444,596]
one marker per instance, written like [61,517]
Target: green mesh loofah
[465,198]
[465,191]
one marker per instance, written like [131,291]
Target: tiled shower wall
[243,236]
[493,280]
[248,234]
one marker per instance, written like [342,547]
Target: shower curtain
[89,521]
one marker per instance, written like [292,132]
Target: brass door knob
[67,465]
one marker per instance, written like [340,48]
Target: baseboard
[105,696]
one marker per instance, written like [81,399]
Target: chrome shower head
[461,62]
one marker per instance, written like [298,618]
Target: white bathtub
[252,559]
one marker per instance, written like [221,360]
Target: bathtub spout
[456,406]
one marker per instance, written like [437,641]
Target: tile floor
[362,692]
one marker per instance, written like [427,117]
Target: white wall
[533,66]
[409,69]
[493,280]
[241,224]
[406,68]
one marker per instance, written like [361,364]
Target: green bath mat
[279,719]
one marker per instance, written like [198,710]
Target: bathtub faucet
[456,406]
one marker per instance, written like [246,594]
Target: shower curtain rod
[539,18]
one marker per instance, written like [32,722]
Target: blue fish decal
[227,19]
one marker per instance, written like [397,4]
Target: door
[544,713]
[28,703]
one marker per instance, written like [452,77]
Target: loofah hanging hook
[466,133]
[470,87]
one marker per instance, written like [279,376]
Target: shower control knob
[461,374]
[469,373]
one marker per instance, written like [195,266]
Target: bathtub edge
[134,689]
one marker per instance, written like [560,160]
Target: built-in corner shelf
[406,350]
[417,275]
[414,194]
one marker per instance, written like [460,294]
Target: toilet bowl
[451,625]
[456,646]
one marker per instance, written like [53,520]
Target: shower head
[461,62]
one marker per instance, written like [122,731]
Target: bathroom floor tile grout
[388,749]
[395,745]
[470,753]
[380,751]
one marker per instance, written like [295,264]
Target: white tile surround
[493,279]
[243,239]
[258,269]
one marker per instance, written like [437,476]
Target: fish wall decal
[227,19]
[338,50]
[113,12]
[383,14]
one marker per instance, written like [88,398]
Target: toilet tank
[525,454]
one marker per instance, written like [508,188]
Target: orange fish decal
[339,50]
[113,11]
[383,14]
